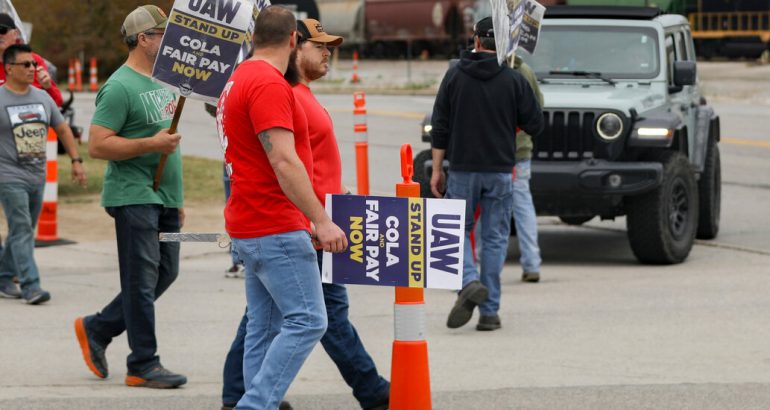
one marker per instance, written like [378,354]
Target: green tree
[80,29]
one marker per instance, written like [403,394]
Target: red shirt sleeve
[272,106]
[54,90]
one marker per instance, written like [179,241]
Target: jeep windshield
[604,52]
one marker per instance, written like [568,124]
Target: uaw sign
[201,46]
[409,242]
[516,24]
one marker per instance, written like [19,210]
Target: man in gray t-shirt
[25,115]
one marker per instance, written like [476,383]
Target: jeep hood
[622,96]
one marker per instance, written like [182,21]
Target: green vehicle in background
[627,133]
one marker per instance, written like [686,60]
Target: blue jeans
[494,193]
[22,204]
[341,343]
[147,269]
[286,313]
[525,218]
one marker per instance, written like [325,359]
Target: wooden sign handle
[172,130]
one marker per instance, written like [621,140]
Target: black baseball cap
[6,20]
[484,28]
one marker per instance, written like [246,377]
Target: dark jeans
[226,182]
[341,343]
[147,269]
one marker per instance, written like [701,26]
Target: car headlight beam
[609,126]
[426,129]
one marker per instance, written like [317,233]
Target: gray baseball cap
[143,18]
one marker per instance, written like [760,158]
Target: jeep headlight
[609,126]
[654,132]
[426,128]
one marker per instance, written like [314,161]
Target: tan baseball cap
[143,18]
[312,30]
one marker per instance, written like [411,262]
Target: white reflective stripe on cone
[51,150]
[409,322]
[51,194]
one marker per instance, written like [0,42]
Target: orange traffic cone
[93,80]
[362,142]
[46,225]
[410,374]
[355,79]
[71,76]
[78,76]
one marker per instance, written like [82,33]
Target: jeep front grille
[568,136]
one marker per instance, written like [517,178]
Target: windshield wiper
[588,74]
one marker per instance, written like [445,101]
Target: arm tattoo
[264,138]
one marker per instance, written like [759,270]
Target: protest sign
[204,39]
[530,26]
[6,6]
[409,242]
[201,46]
[516,23]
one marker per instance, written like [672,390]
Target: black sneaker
[472,295]
[383,403]
[35,296]
[488,323]
[9,290]
[156,378]
[382,406]
[532,277]
[93,352]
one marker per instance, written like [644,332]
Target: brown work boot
[471,296]
[531,277]
[487,323]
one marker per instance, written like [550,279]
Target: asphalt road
[599,332]
[394,120]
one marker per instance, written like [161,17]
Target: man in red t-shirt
[341,342]
[9,35]
[267,152]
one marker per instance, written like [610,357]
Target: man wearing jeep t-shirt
[25,115]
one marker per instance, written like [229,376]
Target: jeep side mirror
[684,73]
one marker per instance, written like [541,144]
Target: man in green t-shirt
[130,130]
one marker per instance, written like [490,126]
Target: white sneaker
[236,271]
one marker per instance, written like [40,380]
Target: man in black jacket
[479,106]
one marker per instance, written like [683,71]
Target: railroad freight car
[391,28]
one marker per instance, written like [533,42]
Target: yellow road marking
[383,113]
[743,141]
[420,116]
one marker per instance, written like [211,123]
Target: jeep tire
[420,175]
[710,194]
[576,220]
[662,223]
